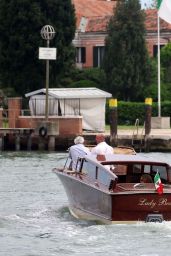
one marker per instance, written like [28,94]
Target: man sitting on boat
[102,147]
[77,150]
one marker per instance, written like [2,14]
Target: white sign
[46,53]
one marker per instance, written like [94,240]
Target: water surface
[34,216]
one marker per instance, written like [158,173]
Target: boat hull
[90,202]
[85,201]
[144,207]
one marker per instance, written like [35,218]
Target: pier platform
[25,139]
[158,139]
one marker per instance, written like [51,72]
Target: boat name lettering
[152,203]
[145,202]
[164,201]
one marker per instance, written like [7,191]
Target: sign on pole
[46,53]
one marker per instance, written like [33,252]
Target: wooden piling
[148,112]
[1,143]
[29,142]
[51,143]
[41,144]
[17,142]
[113,118]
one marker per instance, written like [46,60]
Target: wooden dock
[26,139]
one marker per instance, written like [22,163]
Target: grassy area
[123,127]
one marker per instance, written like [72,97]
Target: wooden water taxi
[108,188]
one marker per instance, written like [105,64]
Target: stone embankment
[158,140]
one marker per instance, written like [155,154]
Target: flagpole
[158,43]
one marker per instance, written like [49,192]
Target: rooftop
[98,12]
[119,158]
[72,93]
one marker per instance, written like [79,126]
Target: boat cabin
[110,170]
[109,188]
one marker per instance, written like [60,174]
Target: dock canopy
[87,102]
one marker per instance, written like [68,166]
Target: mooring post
[29,142]
[51,143]
[113,118]
[17,142]
[41,144]
[148,112]
[1,143]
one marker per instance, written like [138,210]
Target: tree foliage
[126,61]
[20,25]
[166,55]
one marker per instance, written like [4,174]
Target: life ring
[42,131]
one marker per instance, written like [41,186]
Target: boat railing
[138,136]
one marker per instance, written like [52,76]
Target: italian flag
[164,10]
[158,184]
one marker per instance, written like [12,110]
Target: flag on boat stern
[164,10]
[158,184]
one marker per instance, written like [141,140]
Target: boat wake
[64,214]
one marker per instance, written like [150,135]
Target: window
[147,168]
[89,169]
[103,177]
[137,168]
[80,54]
[169,174]
[98,53]
[155,50]
[162,171]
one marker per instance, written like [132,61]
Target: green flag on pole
[158,184]
[164,10]
[158,3]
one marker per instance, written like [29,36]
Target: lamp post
[47,33]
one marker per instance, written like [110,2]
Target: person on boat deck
[77,150]
[146,178]
[102,147]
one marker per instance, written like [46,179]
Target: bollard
[148,112]
[113,117]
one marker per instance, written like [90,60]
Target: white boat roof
[75,93]
[126,158]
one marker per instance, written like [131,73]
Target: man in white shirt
[77,150]
[102,147]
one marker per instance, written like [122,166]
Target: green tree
[20,25]
[126,61]
[165,55]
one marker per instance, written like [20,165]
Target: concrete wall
[67,125]
[14,110]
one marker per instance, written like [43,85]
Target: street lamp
[47,33]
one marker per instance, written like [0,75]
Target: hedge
[128,112]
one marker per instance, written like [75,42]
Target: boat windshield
[131,172]
[98,173]
[161,170]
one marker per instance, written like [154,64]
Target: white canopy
[87,102]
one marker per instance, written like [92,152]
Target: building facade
[92,19]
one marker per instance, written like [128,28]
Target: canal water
[35,221]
